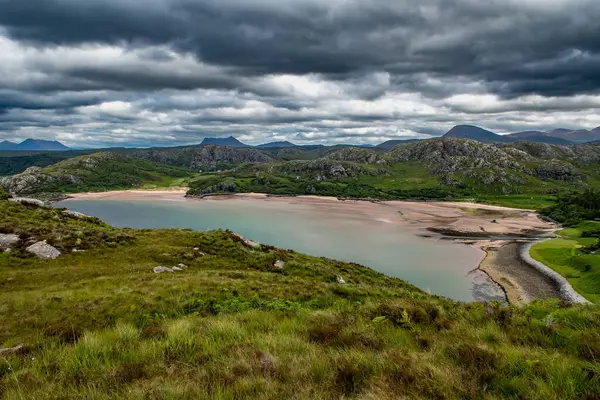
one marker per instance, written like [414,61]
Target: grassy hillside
[98,171]
[523,175]
[100,324]
[520,174]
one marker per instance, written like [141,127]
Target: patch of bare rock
[43,250]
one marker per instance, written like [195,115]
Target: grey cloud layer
[268,69]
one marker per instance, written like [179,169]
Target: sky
[99,73]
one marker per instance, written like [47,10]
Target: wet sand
[494,230]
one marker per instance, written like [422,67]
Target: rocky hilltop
[97,171]
[204,157]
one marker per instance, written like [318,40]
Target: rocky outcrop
[246,242]
[75,214]
[43,250]
[559,170]
[7,240]
[213,155]
[27,201]
[444,156]
[32,180]
[319,170]
[357,155]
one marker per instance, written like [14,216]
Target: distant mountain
[6,145]
[475,133]
[230,142]
[582,136]
[276,144]
[537,136]
[558,131]
[34,145]
[387,145]
[559,136]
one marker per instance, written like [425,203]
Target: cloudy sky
[99,73]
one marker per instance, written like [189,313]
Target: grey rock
[340,279]
[353,154]
[279,264]
[43,250]
[75,214]
[248,243]
[28,201]
[177,269]
[7,240]
[181,265]
[11,350]
[160,269]
[212,155]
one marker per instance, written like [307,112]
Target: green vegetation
[575,257]
[573,208]
[525,175]
[526,201]
[100,324]
[96,172]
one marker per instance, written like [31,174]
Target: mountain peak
[34,145]
[475,133]
[229,141]
[277,144]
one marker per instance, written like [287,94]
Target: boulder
[11,350]
[75,214]
[7,240]
[340,279]
[160,269]
[248,243]
[28,201]
[279,264]
[43,250]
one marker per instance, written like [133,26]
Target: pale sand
[521,283]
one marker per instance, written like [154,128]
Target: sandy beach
[494,230]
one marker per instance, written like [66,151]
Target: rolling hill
[276,144]
[95,172]
[436,168]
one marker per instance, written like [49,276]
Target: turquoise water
[437,266]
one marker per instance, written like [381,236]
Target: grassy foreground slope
[100,324]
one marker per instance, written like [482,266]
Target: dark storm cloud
[518,47]
[171,71]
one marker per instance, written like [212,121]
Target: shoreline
[494,230]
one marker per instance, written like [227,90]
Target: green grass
[526,201]
[100,324]
[566,257]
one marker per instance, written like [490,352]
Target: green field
[100,324]
[566,257]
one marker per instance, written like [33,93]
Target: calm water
[437,266]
